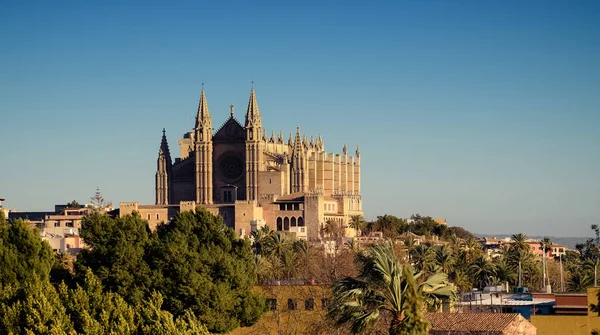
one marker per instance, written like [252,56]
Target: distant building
[496,299]
[559,250]
[154,214]
[492,246]
[440,220]
[538,250]
[59,228]
[572,315]
[242,174]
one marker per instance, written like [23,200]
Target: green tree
[444,258]
[33,307]
[73,204]
[23,254]
[384,287]
[117,253]
[357,222]
[201,265]
[423,258]
[482,270]
[389,225]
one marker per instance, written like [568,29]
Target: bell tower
[204,152]
[163,172]
[254,147]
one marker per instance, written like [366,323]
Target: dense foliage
[195,262]
[188,276]
[387,290]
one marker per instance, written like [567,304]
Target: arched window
[300,222]
[279,224]
[286,224]
[293,222]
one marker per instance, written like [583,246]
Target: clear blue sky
[486,113]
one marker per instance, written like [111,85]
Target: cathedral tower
[254,147]
[204,153]
[163,172]
[299,175]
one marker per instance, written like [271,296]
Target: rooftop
[473,322]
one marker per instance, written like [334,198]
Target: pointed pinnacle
[203,115]
[252,114]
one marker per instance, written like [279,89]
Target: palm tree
[423,258]
[264,268]
[579,282]
[482,270]
[357,222]
[279,243]
[469,249]
[503,272]
[520,242]
[332,229]
[260,239]
[462,280]
[545,244]
[444,257]
[384,287]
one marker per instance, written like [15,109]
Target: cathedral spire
[164,147]
[163,170]
[253,118]
[203,116]
[203,121]
[299,143]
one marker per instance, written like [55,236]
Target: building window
[272,304]
[279,224]
[286,224]
[300,222]
[309,304]
[148,216]
[228,196]
[296,207]
[157,216]
[225,215]
[282,207]
[292,304]
[69,224]
[56,224]
[301,229]
[269,180]
[293,222]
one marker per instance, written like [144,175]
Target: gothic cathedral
[251,179]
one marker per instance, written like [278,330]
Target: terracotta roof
[473,322]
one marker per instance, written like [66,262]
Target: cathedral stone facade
[252,179]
